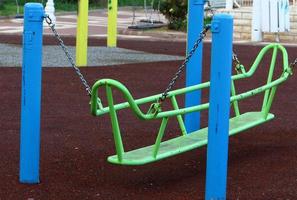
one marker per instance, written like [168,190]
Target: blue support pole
[219,111]
[31,93]
[194,67]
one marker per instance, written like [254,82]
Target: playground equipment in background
[150,11]
[187,141]
[82,29]
[112,9]
[195,7]
[217,133]
[152,17]
[18,13]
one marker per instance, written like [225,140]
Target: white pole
[229,4]
[256,22]
[50,10]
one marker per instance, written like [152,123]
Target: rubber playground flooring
[75,145]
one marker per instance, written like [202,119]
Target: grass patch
[132,3]
[9,7]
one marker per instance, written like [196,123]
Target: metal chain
[293,64]
[211,9]
[236,61]
[235,58]
[68,55]
[185,62]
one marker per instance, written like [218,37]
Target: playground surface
[75,145]
[66,25]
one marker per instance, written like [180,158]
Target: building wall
[243,26]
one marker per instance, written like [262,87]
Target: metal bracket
[215,27]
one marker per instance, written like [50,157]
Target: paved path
[66,25]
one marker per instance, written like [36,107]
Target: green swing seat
[186,142]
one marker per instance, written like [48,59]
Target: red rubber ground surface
[74,145]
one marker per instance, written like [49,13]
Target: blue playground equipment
[221,84]
[31,93]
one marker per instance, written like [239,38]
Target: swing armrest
[134,104]
[260,57]
[109,83]
[131,103]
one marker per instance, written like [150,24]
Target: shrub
[1,4]
[176,13]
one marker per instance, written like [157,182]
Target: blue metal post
[219,111]
[31,93]
[194,67]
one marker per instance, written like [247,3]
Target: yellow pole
[82,33]
[112,23]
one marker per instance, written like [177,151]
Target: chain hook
[292,66]
[237,64]
[48,20]
[294,63]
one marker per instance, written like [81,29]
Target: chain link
[236,61]
[185,62]
[211,9]
[68,55]
[293,64]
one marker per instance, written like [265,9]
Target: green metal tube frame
[269,88]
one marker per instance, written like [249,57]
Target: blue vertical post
[219,111]
[31,93]
[194,67]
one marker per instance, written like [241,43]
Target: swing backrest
[134,104]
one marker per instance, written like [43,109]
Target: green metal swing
[186,142]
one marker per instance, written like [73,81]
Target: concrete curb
[164,35]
